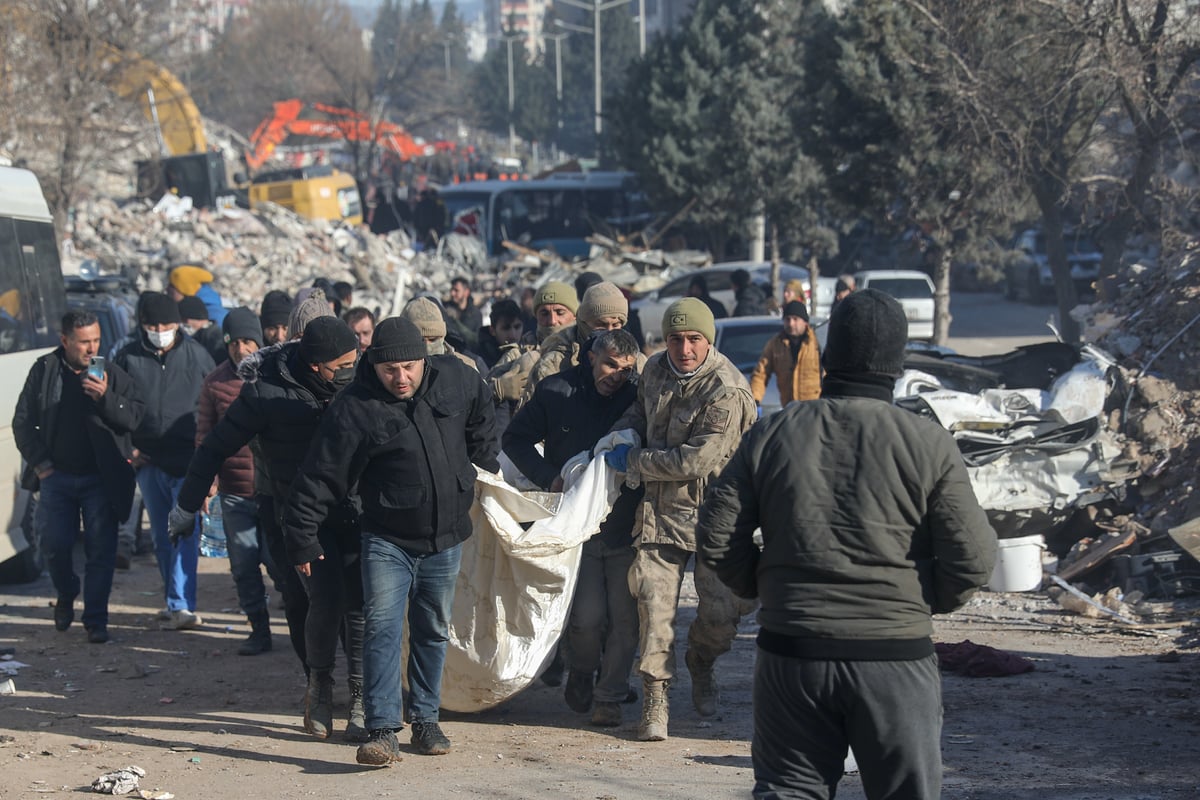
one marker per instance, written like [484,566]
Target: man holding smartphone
[72,425]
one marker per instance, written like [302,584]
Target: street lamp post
[508,39]
[557,38]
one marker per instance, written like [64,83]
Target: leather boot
[356,724]
[705,692]
[655,711]
[318,704]
[259,640]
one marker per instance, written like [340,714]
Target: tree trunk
[773,298]
[941,297]
[1046,192]
[758,235]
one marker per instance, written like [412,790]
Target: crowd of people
[343,451]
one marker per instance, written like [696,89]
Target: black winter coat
[169,384]
[114,418]
[749,302]
[568,416]
[412,460]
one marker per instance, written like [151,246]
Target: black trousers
[287,580]
[808,712]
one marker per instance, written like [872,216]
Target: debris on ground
[121,781]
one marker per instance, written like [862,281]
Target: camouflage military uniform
[690,428]
[559,353]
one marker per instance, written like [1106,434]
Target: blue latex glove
[618,457]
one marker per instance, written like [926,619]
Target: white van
[32,303]
[913,289]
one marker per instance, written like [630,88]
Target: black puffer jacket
[569,416]
[272,406]
[412,460]
[169,384]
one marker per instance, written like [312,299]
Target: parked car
[1029,274]
[913,289]
[742,339]
[651,305]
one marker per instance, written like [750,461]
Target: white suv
[913,289]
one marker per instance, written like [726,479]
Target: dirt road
[1105,715]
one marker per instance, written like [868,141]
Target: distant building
[192,26]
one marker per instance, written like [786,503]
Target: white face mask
[161,339]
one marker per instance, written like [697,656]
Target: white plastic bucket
[1018,565]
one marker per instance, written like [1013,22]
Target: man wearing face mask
[169,369]
[286,391]
[407,433]
[428,318]
[196,324]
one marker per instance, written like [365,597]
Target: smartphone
[96,367]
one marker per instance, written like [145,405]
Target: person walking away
[244,541]
[793,357]
[568,414]
[287,390]
[691,411]
[406,432]
[168,369]
[863,539]
[749,300]
[72,426]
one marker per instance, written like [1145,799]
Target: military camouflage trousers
[655,579]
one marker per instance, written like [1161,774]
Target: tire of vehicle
[26,566]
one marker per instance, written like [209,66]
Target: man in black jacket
[863,539]
[72,426]
[287,390]
[569,413]
[406,431]
[168,368]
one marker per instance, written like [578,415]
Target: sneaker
[64,612]
[163,615]
[184,620]
[607,715]
[380,749]
[578,693]
[429,740]
[123,561]
[97,634]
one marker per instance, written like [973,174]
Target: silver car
[742,340]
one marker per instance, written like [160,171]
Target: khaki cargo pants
[655,579]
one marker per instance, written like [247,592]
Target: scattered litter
[146,794]
[182,748]
[194,760]
[89,746]
[166,701]
[1090,607]
[121,781]
[8,687]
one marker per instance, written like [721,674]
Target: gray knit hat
[603,300]
[309,304]
[428,318]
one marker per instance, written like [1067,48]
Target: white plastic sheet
[515,587]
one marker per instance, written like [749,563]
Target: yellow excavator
[188,167]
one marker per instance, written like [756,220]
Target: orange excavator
[296,118]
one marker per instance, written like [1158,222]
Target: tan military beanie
[428,318]
[689,314]
[556,292]
[603,300]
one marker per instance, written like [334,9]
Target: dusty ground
[1105,715]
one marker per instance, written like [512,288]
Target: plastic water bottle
[212,531]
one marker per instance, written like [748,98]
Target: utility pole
[558,84]
[508,39]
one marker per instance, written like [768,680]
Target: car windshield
[714,280]
[743,344]
[903,288]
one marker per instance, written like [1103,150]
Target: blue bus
[556,213]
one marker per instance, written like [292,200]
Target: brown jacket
[221,387]
[798,379]
[689,427]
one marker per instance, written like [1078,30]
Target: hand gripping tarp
[515,586]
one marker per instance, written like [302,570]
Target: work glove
[618,457]
[180,524]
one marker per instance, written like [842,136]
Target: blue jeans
[392,576]
[246,551]
[64,498]
[176,564]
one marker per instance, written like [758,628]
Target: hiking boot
[97,634]
[429,740]
[607,715]
[123,561]
[381,749]
[578,693]
[64,612]
[705,693]
[655,710]
[184,620]
[356,723]
[259,640]
[318,704]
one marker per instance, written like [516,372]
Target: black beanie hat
[276,308]
[158,309]
[396,339]
[192,307]
[868,332]
[586,281]
[240,323]
[326,338]
[794,308]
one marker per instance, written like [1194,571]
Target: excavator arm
[332,123]
[163,99]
